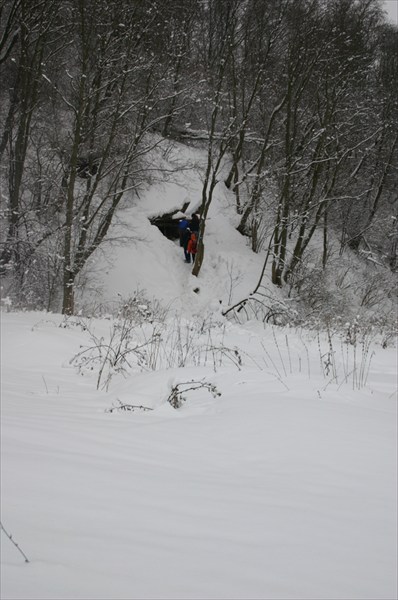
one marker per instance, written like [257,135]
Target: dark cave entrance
[168,224]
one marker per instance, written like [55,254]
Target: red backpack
[193,244]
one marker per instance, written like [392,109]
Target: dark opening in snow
[168,224]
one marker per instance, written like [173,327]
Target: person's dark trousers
[186,253]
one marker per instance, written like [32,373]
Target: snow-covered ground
[282,486]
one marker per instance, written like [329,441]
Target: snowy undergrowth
[143,337]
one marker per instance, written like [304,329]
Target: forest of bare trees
[300,95]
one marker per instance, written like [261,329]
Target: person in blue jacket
[186,228]
[185,234]
[182,225]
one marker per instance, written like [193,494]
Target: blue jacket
[183,224]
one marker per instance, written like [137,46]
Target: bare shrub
[178,391]
[121,406]
[146,339]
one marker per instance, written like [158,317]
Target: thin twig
[14,542]
[128,407]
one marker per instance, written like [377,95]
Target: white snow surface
[283,486]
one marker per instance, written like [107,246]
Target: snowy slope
[138,257]
[142,258]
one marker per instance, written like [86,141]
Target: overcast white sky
[391,7]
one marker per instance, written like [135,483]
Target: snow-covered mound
[139,257]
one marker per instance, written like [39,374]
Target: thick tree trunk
[68,305]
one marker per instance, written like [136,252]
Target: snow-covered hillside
[274,475]
[139,257]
